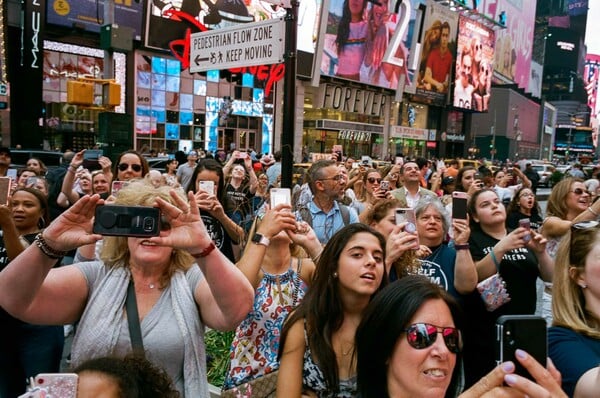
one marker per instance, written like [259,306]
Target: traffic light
[111,94]
[80,93]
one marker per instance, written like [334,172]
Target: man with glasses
[411,190]
[323,212]
[185,171]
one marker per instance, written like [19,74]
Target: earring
[584,286]
[335,275]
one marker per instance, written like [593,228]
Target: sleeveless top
[255,345]
[313,378]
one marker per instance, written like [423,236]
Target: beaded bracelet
[48,251]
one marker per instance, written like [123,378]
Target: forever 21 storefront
[351,116]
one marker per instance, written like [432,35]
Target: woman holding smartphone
[512,259]
[25,349]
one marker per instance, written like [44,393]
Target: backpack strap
[305,215]
[345,213]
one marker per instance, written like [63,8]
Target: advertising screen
[89,14]
[357,36]
[438,51]
[474,66]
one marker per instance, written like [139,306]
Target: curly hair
[135,376]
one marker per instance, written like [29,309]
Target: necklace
[151,285]
[349,350]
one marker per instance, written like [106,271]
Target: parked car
[544,170]
[19,157]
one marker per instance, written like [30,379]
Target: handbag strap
[297,283]
[133,319]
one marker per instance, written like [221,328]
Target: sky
[592,36]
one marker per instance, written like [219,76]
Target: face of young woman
[578,198]
[489,209]
[132,161]
[372,182]
[426,372]
[590,276]
[26,210]
[207,175]
[85,182]
[34,164]
[467,179]
[526,200]
[386,225]
[360,266]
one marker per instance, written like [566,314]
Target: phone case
[408,215]
[207,186]
[5,183]
[136,221]
[459,205]
[525,332]
[280,195]
[62,385]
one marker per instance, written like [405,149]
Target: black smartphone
[459,205]
[525,332]
[136,221]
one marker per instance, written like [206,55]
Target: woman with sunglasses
[408,344]
[317,342]
[371,192]
[129,165]
[519,257]
[569,202]
[524,205]
[574,338]
[179,283]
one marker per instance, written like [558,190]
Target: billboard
[514,45]
[591,76]
[562,49]
[438,52]
[356,37]
[474,66]
[89,14]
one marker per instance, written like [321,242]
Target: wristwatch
[261,239]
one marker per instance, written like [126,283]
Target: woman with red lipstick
[524,205]
[519,257]
[25,349]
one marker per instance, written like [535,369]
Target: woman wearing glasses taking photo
[409,344]
[371,193]
[129,165]
[568,203]
[574,338]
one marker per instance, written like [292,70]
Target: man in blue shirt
[323,212]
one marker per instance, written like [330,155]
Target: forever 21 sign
[352,99]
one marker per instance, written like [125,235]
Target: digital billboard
[474,66]
[89,14]
[357,36]
[438,51]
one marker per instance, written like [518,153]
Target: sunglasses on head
[373,180]
[135,167]
[579,191]
[423,335]
[580,227]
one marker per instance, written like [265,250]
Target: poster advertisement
[356,38]
[474,66]
[438,53]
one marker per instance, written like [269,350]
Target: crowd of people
[330,295]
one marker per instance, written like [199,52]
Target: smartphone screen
[136,221]
[407,215]
[459,205]
[5,183]
[279,196]
[525,332]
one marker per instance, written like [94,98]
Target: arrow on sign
[198,60]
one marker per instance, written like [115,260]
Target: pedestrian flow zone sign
[252,44]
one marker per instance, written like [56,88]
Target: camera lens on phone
[148,224]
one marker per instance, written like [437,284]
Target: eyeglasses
[579,191]
[423,335]
[135,167]
[373,180]
[336,178]
[527,195]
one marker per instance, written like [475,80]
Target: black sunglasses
[135,167]
[423,335]
[579,191]
[373,180]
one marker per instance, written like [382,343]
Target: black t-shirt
[237,202]
[218,235]
[519,269]
[512,220]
